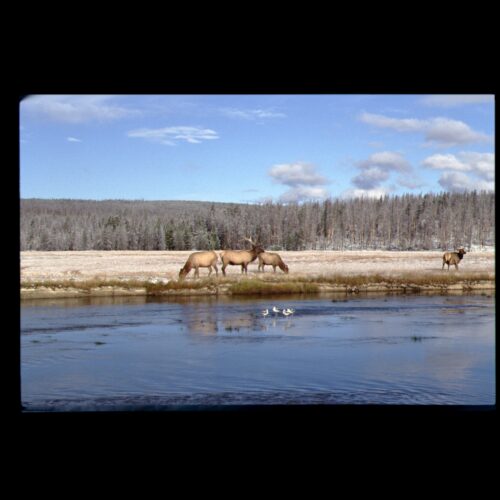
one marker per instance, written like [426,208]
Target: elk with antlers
[240,257]
[453,258]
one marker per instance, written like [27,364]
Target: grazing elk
[240,257]
[197,260]
[453,258]
[272,259]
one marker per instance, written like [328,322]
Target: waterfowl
[275,309]
[286,312]
[290,310]
[265,312]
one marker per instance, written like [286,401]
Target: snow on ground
[148,265]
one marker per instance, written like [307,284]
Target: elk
[197,260]
[272,259]
[453,258]
[240,257]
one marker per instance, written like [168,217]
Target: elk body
[197,260]
[272,259]
[240,257]
[453,258]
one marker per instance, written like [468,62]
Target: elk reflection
[201,321]
[208,322]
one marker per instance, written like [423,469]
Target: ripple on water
[187,400]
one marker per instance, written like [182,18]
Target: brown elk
[197,260]
[272,259]
[240,257]
[453,258]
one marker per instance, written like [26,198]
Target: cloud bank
[303,181]
[465,171]
[376,170]
[75,108]
[441,132]
[251,114]
[170,136]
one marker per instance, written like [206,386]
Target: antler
[249,239]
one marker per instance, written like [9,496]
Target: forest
[409,222]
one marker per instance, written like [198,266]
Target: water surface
[150,354]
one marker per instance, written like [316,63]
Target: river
[138,353]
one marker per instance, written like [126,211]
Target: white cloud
[302,179]
[370,178]
[437,131]
[447,133]
[386,160]
[377,168]
[457,181]
[480,164]
[171,135]
[73,139]
[294,174]
[303,193]
[448,161]
[398,124]
[453,100]
[251,114]
[74,108]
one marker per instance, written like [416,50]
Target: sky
[254,148]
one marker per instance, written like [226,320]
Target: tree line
[408,222]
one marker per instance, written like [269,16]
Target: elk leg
[274,269]
[196,272]
[216,270]
[209,270]
[224,269]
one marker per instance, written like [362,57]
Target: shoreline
[222,289]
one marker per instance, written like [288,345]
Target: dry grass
[270,284]
[260,287]
[130,265]
[157,272]
[407,277]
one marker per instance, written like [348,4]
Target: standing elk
[240,257]
[272,259]
[453,258]
[197,260]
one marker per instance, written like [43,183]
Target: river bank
[116,273]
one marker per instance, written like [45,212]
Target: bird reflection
[214,321]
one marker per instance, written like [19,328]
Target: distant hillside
[417,222]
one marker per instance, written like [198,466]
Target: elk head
[255,246]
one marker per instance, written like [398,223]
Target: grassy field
[156,273]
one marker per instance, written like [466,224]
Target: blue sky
[254,148]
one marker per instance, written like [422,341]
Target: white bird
[265,312]
[286,312]
[290,311]
[275,309]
